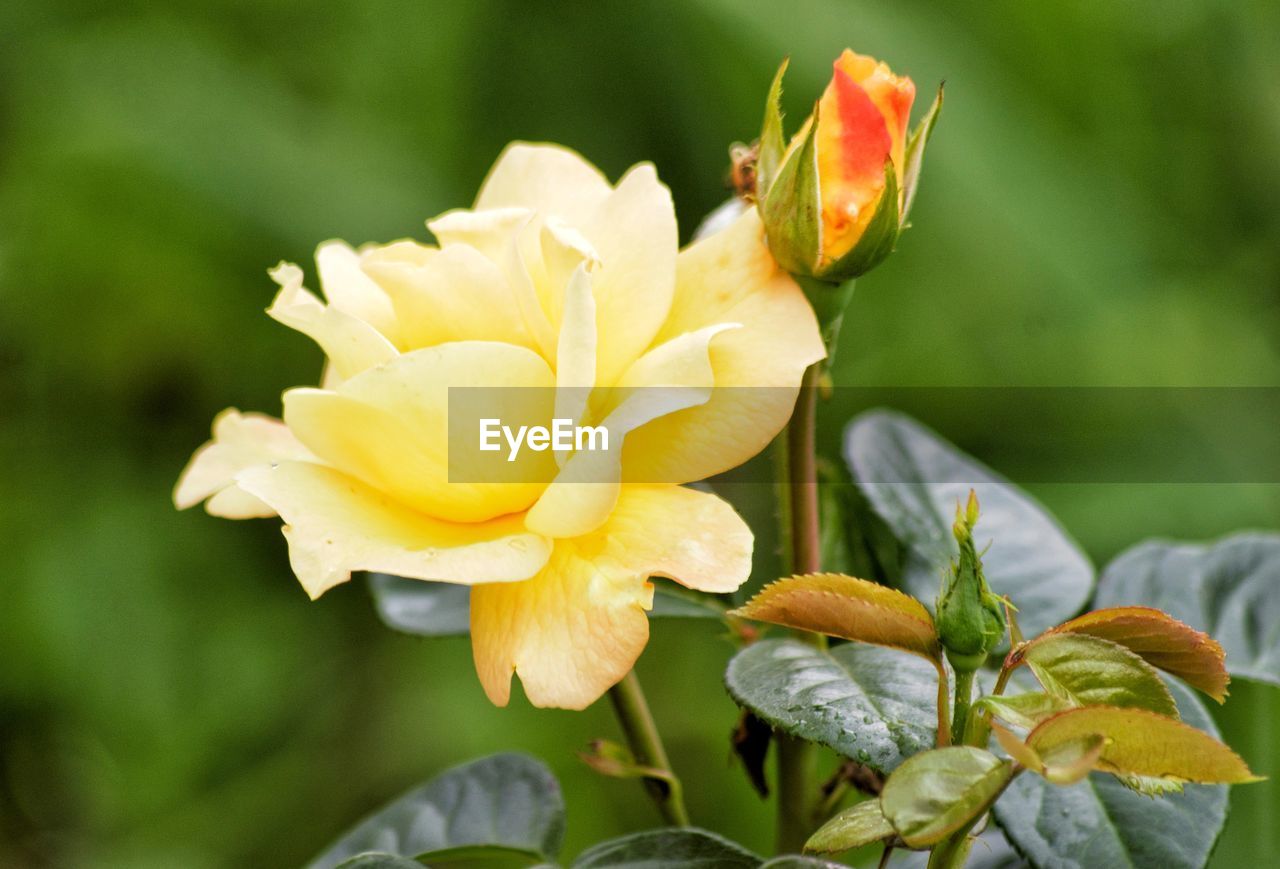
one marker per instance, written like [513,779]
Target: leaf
[875,705]
[672,602]
[673,848]
[1139,742]
[849,608]
[938,792]
[480,857]
[1099,822]
[852,828]
[1162,641]
[1022,710]
[443,609]
[1088,671]
[427,609]
[1062,764]
[379,860]
[914,157]
[796,861]
[914,479]
[505,800]
[1229,589]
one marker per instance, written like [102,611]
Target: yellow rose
[836,198]
[558,280]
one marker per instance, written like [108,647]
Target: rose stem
[632,709]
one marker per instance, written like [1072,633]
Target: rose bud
[835,199]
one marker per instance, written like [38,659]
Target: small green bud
[971,619]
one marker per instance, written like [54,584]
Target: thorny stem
[796,809]
[632,710]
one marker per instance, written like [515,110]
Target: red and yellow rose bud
[835,199]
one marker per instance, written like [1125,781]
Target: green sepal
[914,156]
[877,240]
[772,143]
[792,209]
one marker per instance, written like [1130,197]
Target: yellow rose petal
[389,427]
[239,441]
[695,538]
[454,294]
[667,379]
[350,290]
[351,344]
[634,232]
[335,525]
[547,178]
[570,633]
[576,628]
[730,277]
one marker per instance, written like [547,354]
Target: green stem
[795,780]
[960,715]
[979,730]
[632,709]
[796,792]
[802,476]
[944,708]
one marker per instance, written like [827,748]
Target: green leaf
[914,157]
[849,608]
[875,705]
[672,602]
[1227,589]
[852,828]
[1162,641]
[379,860]
[480,857]
[914,479]
[443,609]
[1089,671]
[427,609]
[1100,822]
[1022,710]
[796,861]
[938,792]
[772,141]
[672,848]
[505,800]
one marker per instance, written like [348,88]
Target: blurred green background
[1099,207]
